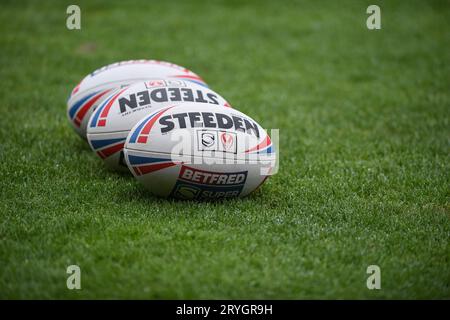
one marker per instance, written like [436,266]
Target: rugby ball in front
[95,87]
[189,152]
[111,122]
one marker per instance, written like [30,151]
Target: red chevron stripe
[141,170]
[105,153]
[263,144]
[105,111]
[75,90]
[148,126]
[82,112]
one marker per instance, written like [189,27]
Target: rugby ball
[111,122]
[189,152]
[94,88]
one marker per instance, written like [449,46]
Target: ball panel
[93,89]
[123,108]
[202,168]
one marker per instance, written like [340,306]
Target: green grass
[364,153]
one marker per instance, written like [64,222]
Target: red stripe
[105,153]
[75,90]
[152,121]
[137,171]
[108,106]
[142,139]
[263,144]
[152,167]
[82,112]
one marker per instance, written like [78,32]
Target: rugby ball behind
[111,122]
[95,87]
[189,152]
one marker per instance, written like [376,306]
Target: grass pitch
[364,155]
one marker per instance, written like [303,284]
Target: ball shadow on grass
[140,194]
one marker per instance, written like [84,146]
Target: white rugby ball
[110,124]
[92,90]
[189,152]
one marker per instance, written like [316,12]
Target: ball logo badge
[227,140]
[186,192]
[208,139]
[155,83]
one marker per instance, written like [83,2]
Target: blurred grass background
[364,132]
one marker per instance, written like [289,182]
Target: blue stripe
[268,150]
[79,103]
[134,160]
[98,111]
[197,82]
[135,133]
[96,144]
